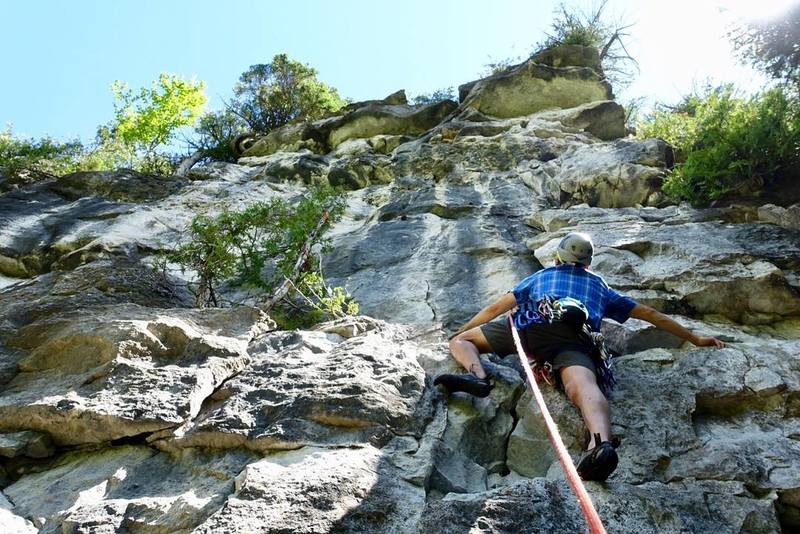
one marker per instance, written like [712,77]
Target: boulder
[127,488]
[786,217]
[532,86]
[320,490]
[364,388]
[362,121]
[604,119]
[104,373]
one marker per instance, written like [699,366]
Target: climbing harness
[566,310]
[589,512]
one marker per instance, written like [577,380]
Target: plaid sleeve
[618,307]
[522,290]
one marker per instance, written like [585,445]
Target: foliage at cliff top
[727,143]
[23,160]
[270,95]
[148,118]
[573,26]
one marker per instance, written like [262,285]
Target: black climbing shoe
[468,383]
[599,462]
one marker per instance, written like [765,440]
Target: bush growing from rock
[573,26]
[214,133]
[445,93]
[268,246]
[726,143]
[24,160]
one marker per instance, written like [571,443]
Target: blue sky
[60,58]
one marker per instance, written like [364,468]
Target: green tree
[23,160]
[147,119]
[771,44]
[270,95]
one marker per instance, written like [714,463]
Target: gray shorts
[560,344]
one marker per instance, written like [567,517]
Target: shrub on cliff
[439,95]
[727,143]
[213,135]
[26,159]
[267,246]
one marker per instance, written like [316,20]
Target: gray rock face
[741,271]
[124,409]
[319,490]
[27,443]
[548,506]
[786,217]
[128,488]
[604,119]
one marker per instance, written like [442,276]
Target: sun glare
[757,10]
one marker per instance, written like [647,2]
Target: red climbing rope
[595,524]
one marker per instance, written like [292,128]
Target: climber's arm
[501,305]
[655,317]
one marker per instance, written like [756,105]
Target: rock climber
[558,311]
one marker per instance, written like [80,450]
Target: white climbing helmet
[576,247]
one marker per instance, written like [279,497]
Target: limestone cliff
[123,409]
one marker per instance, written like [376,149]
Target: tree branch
[189,162]
[283,289]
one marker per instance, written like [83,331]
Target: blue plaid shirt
[570,280]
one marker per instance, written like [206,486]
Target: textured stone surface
[318,490]
[531,87]
[356,122]
[746,272]
[548,506]
[604,119]
[128,488]
[787,217]
[31,444]
[109,372]
[316,388]
[42,228]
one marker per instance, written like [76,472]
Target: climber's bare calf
[466,349]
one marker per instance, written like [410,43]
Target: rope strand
[589,512]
